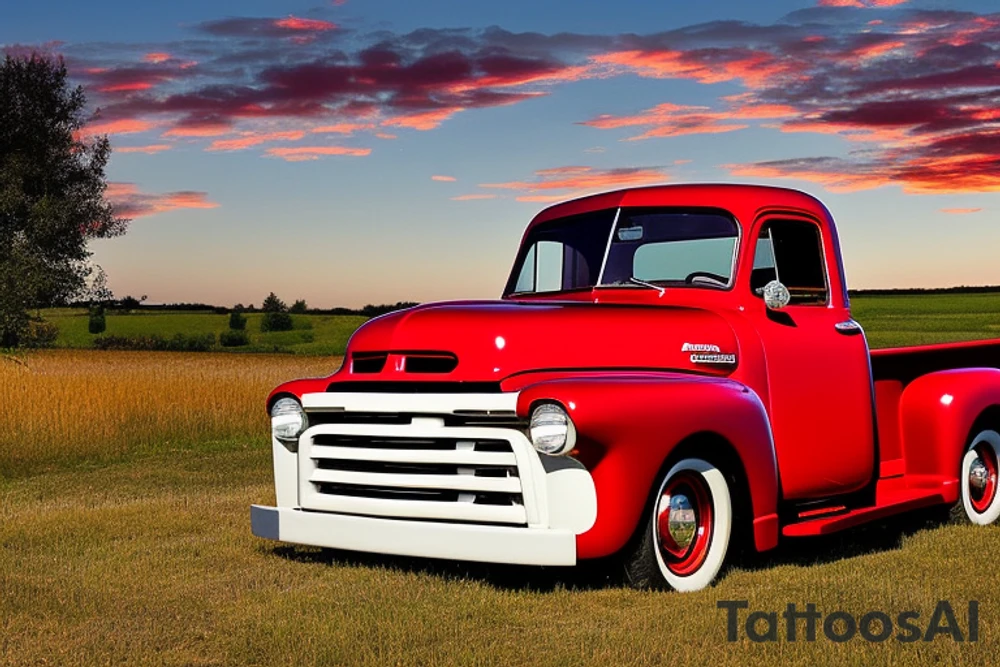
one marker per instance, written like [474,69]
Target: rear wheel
[685,539]
[978,478]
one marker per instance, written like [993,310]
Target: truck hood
[493,340]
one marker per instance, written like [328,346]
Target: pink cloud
[251,139]
[303,153]
[122,126]
[424,120]
[861,3]
[129,202]
[960,211]
[672,120]
[199,130]
[156,57]
[342,128]
[149,150]
[473,197]
[575,180]
[756,68]
[444,179]
[310,25]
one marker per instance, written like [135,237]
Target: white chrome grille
[419,470]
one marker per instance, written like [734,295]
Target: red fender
[627,426]
[296,388]
[936,413]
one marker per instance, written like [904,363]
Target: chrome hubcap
[979,474]
[681,523]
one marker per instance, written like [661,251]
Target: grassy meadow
[889,321]
[311,335]
[125,485]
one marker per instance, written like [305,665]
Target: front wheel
[684,541]
[980,499]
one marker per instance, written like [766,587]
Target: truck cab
[668,370]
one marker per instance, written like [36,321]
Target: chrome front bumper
[454,541]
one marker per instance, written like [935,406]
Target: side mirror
[776,295]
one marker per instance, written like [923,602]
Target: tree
[272,304]
[130,303]
[276,317]
[299,307]
[52,188]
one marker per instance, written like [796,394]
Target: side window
[526,279]
[791,252]
[542,270]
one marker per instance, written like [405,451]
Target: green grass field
[312,334]
[894,321]
[125,485]
[889,321]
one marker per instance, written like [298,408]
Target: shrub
[40,334]
[96,323]
[272,321]
[154,342]
[237,322]
[234,337]
[192,342]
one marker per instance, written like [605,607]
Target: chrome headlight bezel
[551,430]
[288,420]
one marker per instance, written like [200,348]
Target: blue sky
[294,146]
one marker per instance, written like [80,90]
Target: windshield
[628,247]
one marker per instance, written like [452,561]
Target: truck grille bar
[418,470]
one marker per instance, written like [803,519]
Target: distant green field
[895,321]
[889,321]
[313,334]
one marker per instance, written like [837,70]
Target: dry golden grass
[71,405]
[151,561]
[110,557]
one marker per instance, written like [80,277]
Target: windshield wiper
[643,283]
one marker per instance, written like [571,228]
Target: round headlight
[288,420]
[551,430]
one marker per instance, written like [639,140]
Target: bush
[234,338]
[236,320]
[272,321]
[96,323]
[40,334]
[154,342]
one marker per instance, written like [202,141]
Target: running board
[893,497]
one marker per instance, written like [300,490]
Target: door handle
[848,328]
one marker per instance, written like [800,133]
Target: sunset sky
[369,151]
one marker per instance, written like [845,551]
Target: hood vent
[408,362]
[368,362]
[429,363]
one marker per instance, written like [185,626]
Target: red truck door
[818,368]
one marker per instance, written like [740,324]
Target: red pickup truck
[669,370]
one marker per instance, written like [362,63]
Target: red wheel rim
[684,522]
[981,497]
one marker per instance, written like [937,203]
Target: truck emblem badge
[706,353]
[713,358]
[699,347]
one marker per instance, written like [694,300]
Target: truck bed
[907,363]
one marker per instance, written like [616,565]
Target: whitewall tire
[684,542]
[979,478]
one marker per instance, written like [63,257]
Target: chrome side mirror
[776,295]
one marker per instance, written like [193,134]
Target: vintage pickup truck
[669,370]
